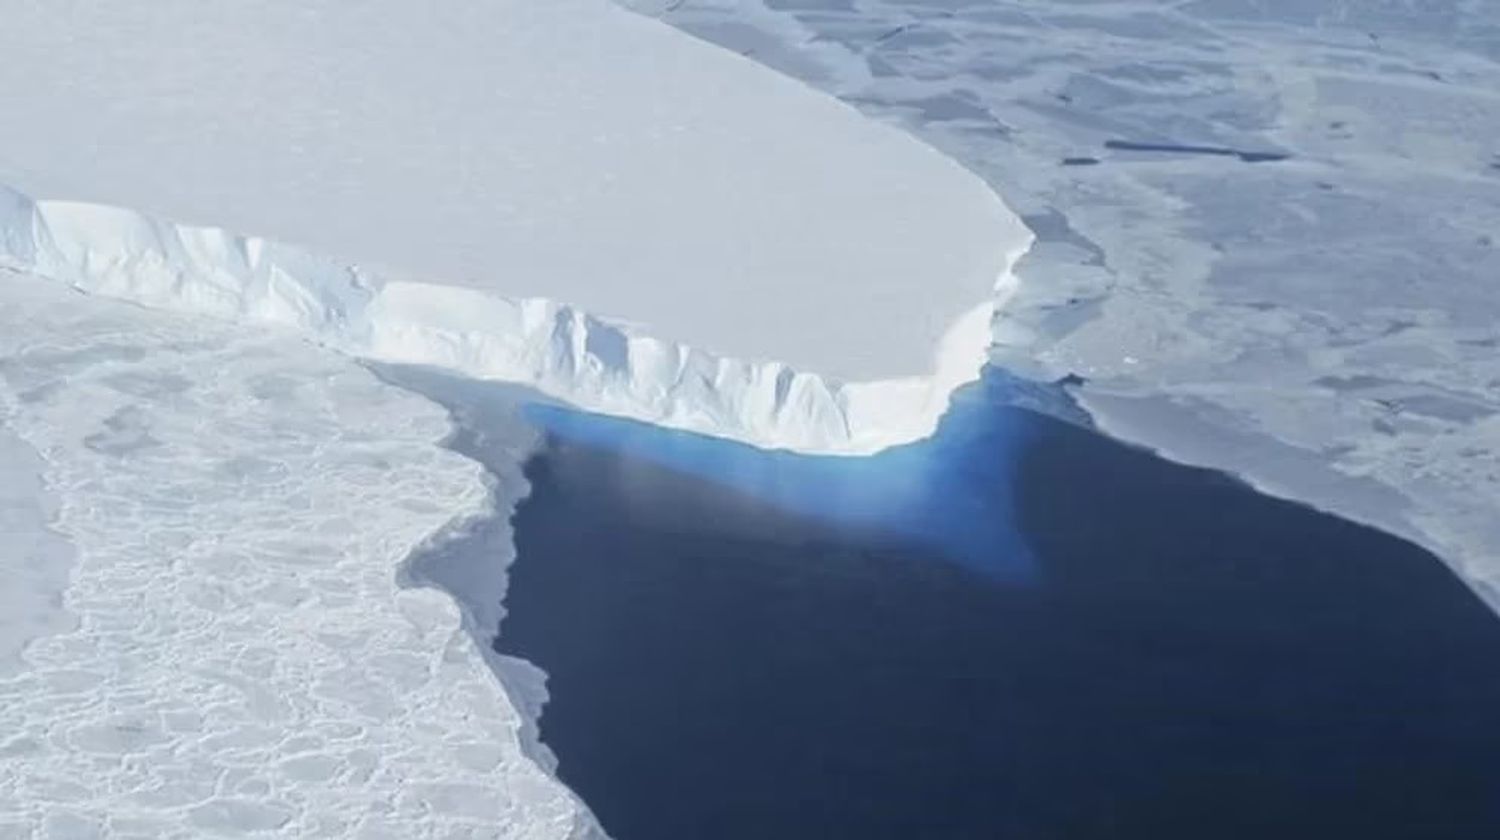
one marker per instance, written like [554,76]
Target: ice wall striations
[588,361]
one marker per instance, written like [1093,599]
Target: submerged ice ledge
[591,362]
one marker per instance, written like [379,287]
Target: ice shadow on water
[949,494]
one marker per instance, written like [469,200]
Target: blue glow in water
[745,645]
[940,493]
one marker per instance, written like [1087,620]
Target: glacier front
[755,259]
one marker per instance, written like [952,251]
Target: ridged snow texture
[590,362]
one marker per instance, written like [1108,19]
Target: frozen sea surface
[1268,232]
[564,149]
[240,657]
[34,560]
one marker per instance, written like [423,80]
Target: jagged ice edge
[588,361]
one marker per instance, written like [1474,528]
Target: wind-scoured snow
[241,659]
[568,150]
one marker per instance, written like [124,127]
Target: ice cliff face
[591,362]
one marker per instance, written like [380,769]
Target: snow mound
[591,362]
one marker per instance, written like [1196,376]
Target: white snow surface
[594,363]
[1325,325]
[34,560]
[757,260]
[206,516]
[241,659]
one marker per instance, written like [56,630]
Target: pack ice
[559,193]
[1266,231]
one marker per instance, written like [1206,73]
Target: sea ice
[560,194]
[244,659]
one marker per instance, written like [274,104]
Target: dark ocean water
[1019,629]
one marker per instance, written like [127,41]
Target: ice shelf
[238,655]
[755,259]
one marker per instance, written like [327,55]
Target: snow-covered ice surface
[34,559]
[561,194]
[563,149]
[243,658]
[1268,231]
[595,363]
[1266,241]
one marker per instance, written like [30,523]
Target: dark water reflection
[1018,630]
[951,496]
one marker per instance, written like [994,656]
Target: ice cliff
[723,248]
[592,362]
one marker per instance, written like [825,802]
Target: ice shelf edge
[587,361]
